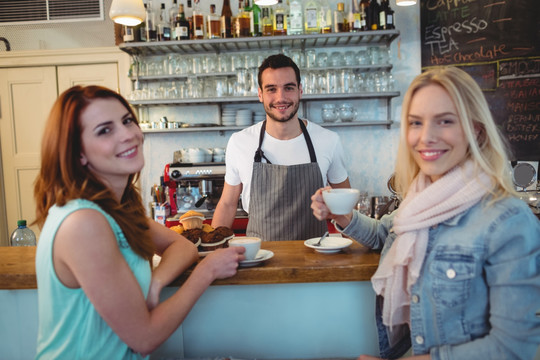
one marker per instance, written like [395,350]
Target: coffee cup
[251,244]
[341,201]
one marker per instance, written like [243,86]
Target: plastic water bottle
[23,236]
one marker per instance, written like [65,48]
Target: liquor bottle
[356,23]
[325,17]
[311,25]
[242,21]
[226,16]
[151,31]
[339,16]
[373,15]
[163,28]
[364,5]
[389,17]
[267,28]
[296,19]
[128,34]
[181,25]
[255,25]
[142,26]
[22,235]
[213,24]
[198,21]
[189,17]
[382,15]
[279,22]
[173,11]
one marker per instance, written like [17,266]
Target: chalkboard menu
[498,43]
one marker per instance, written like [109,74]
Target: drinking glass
[209,87]
[238,62]
[311,58]
[322,59]
[363,57]
[197,64]
[350,58]
[222,88]
[322,85]
[345,80]
[364,204]
[224,63]
[332,84]
[374,55]
[336,59]
[211,64]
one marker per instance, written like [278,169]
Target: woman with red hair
[98,296]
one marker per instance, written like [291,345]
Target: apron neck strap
[259,154]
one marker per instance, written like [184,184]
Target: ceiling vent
[19,12]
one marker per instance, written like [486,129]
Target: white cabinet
[29,84]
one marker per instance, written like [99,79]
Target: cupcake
[192,220]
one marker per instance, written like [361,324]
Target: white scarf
[425,205]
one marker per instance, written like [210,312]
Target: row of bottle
[294,18]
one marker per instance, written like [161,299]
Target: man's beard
[286,118]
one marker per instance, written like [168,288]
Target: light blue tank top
[69,325]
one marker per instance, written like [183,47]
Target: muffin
[207,228]
[216,239]
[192,220]
[194,235]
[178,229]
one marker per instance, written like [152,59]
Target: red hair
[62,177]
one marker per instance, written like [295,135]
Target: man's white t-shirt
[242,146]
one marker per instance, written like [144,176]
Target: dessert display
[204,236]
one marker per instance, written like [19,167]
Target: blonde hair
[486,149]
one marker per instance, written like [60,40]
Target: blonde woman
[459,276]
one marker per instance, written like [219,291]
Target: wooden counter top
[292,263]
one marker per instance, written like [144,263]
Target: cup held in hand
[341,201]
[251,244]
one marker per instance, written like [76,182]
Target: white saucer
[330,245]
[262,256]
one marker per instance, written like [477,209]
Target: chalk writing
[496,42]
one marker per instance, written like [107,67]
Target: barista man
[277,164]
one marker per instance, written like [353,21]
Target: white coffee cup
[251,244]
[341,201]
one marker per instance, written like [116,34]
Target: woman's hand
[320,210]
[223,263]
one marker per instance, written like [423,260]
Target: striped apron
[280,200]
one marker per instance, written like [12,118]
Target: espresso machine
[198,186]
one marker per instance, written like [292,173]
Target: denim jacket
[479,287]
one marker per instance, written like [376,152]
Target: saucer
[330,245]
[262,256]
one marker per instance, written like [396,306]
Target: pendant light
[266,2]
[405,2]
[127,12]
